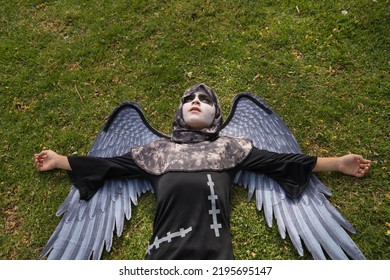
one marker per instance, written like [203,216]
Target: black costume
[193,207]
[191,173]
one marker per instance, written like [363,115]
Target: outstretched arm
[48,160]
[351,164]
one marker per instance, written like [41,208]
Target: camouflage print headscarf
[182,133]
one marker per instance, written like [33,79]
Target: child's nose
[196,100]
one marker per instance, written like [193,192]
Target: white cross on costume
[156,244]
[214,211]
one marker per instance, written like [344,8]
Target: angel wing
[87,225]
[311,217]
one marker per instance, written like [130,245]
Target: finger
[40,167]
[41,153]
[362,172]
[366,167]
[40,156]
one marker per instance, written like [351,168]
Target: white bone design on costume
[181,233]
[214,211]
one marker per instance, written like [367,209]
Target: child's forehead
[198,91]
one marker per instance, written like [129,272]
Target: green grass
[64,65]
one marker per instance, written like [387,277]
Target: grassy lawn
[322,66]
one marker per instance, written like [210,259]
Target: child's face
[198,110]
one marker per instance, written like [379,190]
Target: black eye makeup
[204,98]
[188,98]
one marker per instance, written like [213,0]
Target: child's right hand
[46,160]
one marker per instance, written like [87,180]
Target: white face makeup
[198,110]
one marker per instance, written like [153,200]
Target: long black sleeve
[291,171]
[89,173]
